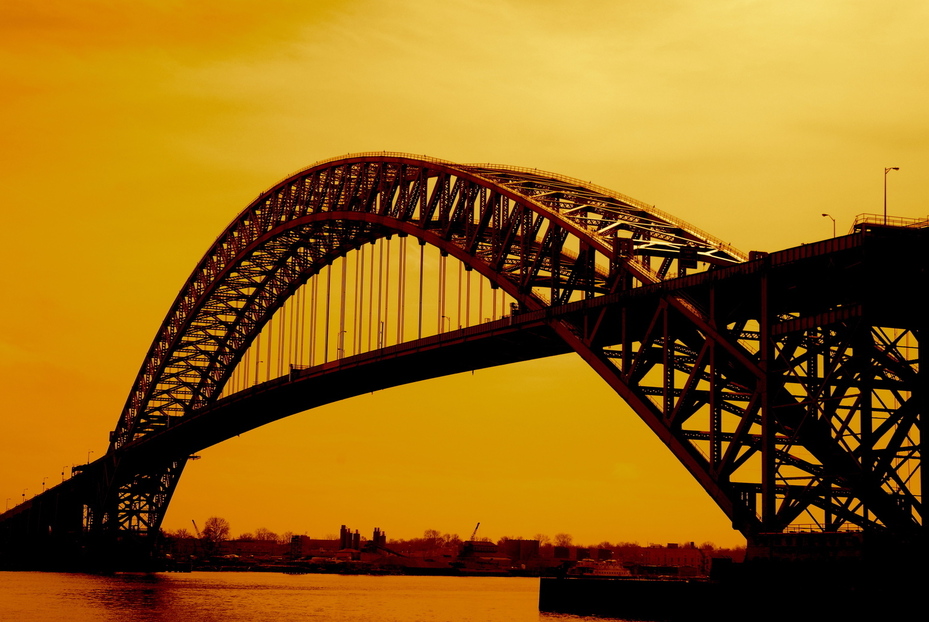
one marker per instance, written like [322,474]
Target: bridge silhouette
[788,384]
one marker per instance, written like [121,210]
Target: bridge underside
[489,345]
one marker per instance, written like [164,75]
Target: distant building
[673,560]
[521,550]
[305,546]
[349,540]
[254,548]
[349,543]
[578,553]
[478,548]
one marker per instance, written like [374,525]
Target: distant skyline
[446,537]
[134,132]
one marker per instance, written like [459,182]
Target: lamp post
[887,170]
[833,223]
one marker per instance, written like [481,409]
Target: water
[254,597]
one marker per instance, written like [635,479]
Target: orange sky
[133,132]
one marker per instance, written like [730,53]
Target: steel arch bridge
[789,385]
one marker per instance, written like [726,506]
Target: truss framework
[797,409]
[782,414]
[544,238]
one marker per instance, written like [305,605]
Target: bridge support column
[768,426]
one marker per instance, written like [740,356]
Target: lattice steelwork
[859,380]
[139,498]
[519,240]
[542,238]
[796,409]
[785,410]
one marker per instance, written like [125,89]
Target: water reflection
[234,597]
[143,597]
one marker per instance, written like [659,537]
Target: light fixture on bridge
[887,170]
[833,223]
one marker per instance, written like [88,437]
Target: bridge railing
[920,222]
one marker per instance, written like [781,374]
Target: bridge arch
[544,239]
[789,385]
[762,396]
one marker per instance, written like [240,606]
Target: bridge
[788,384]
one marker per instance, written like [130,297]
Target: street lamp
[887,170]
[833,223]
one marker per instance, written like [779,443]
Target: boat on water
[592,568]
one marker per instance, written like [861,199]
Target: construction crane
[474,533]
[199,537]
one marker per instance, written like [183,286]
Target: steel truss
[785,410]
[799,405]
[543,238]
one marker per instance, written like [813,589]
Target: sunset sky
[134,131]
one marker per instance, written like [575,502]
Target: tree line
[217,529]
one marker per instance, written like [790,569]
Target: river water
[254,597]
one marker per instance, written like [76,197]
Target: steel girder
[789,387]
[543,238]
